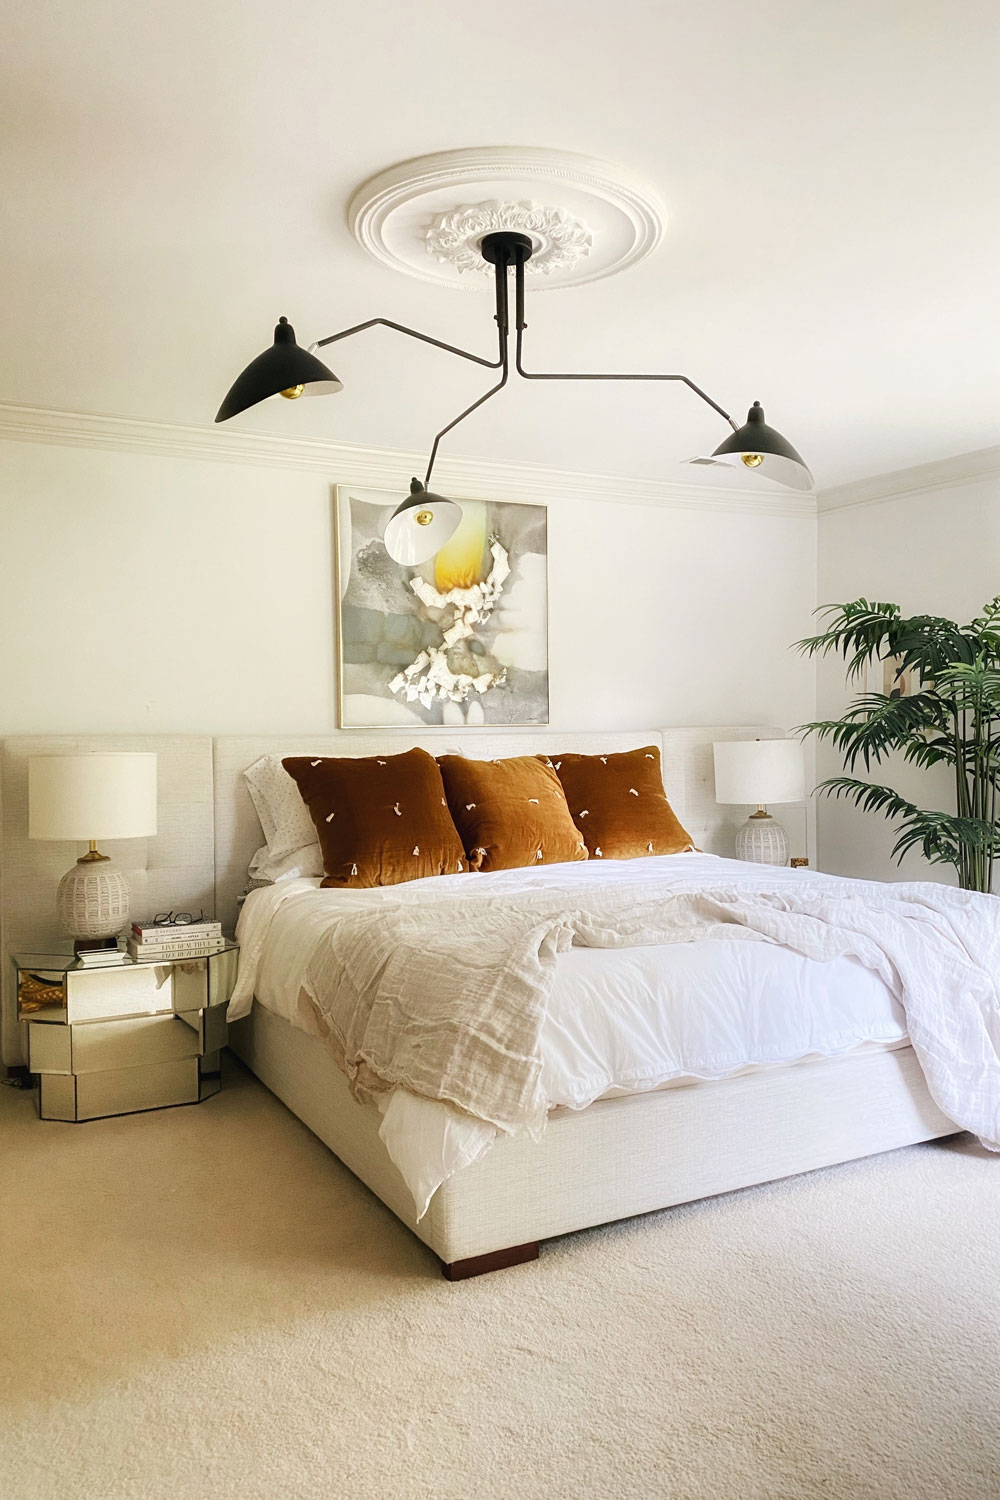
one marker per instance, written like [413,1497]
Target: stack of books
[177,940]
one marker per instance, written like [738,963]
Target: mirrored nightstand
[125,1036]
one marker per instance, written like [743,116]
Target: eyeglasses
[177,918]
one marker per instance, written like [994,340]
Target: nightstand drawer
[118,1091]
[95,994]
[137,1041]
[69,996]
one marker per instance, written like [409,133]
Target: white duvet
[618,1020]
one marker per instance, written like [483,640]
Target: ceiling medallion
[586,218]
[559,239]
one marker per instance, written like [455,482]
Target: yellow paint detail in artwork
[463,560]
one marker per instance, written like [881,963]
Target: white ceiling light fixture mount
[424,521]
[587,218]
[560,240]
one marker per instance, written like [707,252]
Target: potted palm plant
[953,717]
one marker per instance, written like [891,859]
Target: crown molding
[942,474]
[380,468]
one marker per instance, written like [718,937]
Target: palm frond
[931,752]
[875,725]
[867,796]
[974,686]
[989,621]
[941,837]
[855,630]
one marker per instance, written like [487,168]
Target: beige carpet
[203,1303]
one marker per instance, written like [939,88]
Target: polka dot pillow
[283,815]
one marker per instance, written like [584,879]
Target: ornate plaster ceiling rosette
[560,240]
[587,218]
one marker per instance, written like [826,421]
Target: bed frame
[619,1157]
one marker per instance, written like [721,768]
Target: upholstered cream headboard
[208,829]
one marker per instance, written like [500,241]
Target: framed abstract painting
[460,640]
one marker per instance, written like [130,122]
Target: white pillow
[268,870]
[283,815]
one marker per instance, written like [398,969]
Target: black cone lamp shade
[420,526]
[284,370]
[762,450]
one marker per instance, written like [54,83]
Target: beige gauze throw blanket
[447,997]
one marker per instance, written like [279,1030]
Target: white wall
[932,552]
[162,593]
[152,593]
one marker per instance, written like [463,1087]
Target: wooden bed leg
[496,1260]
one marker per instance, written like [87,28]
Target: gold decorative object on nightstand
[124,1036]
[35,993]
[798,862]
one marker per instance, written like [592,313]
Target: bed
[625,1152]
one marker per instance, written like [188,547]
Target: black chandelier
[422,524]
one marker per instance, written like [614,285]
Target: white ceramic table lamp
[91,797]
[760,771]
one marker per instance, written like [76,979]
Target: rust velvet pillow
[510,813]
[619,805]
[380,819]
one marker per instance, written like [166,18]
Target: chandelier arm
[538,375]
[333,338]
[574,375]
[461,418]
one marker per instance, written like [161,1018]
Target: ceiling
[176,175]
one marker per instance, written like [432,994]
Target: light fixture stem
[501,314]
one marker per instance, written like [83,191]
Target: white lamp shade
[99,796]
[759,771]
[784,471]
[414,533]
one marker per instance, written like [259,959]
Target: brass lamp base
[93,856]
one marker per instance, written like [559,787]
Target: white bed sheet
[619,1020]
